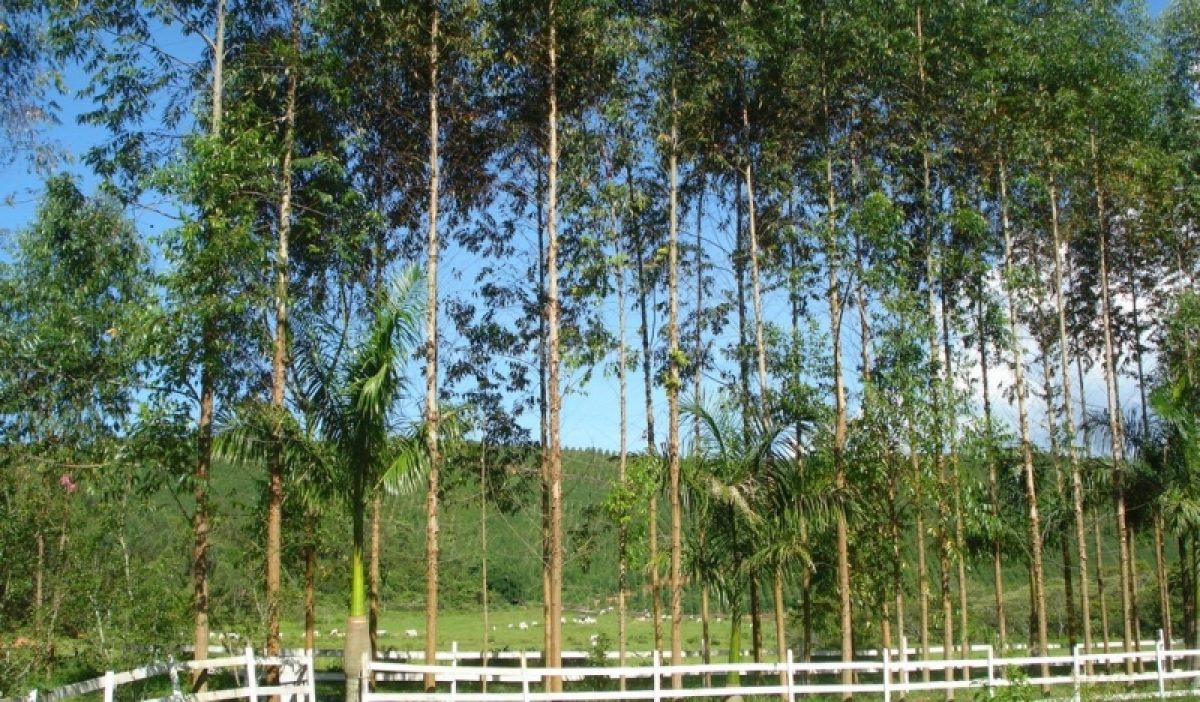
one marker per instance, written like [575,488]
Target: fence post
[251,674]
[453,664]
[311,670]
[887,674]
[524,679]
[790,668]
[1075,672]
[1159,665]
[904,661]
[173,673]
[657,677]
[110,685]
[991,671]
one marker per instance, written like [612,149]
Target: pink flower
[67,483]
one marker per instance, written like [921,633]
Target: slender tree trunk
[554,654]
[622,462]
[280,356]
[1100,588]
[674,354]
[484,654]
[432,415]
[940,412]
[841,420]
[1116,428]
[204,429]
[1037,574]
[200,523]
[993,485]
[651,449]
[922,567]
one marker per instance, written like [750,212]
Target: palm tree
[353,384]
[726,488]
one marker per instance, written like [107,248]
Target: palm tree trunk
[374,576]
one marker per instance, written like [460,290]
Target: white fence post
[904,661]
[524,679]
[887,674]
[991,671]
[657,677]
[311,671]
[453,664]
[1075,672]
[110,685]
[251,674]
[1159,665]
[789,664]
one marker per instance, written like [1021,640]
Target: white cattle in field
[411,633]
[523,626]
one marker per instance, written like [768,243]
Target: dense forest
[878,298]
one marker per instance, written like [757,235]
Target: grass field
[504,631]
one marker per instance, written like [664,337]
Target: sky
[590,415]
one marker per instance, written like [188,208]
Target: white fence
[1157,673]
[1066,676]
[297,680]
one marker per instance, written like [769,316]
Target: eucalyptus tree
[557,57]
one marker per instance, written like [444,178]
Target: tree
[75,305]
[353,383]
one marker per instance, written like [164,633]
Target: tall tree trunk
[674,354]
[554,654]
[484,654]
[280,357]
[922,566]
[204,429]
[1115,425]
[651,449]
[1100,588]
[432,415]
[623,458]
[200,518]
[1037,574]
[993,485]
[841,420]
